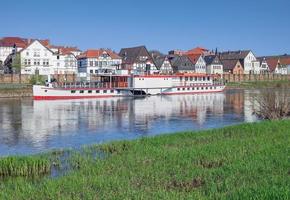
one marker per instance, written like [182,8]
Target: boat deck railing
[90,85]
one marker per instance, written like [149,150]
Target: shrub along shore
[247,161]
[258,84]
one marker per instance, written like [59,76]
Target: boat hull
[49,93]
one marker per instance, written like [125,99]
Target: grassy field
[248,161]
[259,84]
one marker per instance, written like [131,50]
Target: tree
[16,63]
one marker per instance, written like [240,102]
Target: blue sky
[260,25]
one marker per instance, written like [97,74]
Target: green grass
[259,84]
[24,166]
[248,161]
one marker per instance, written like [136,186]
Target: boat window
[191,78]
[203,78]
[208,78]
[73,91]
[183,88]
[188,88]
[45,90]
[112,91]
[104,91]
[197,88]
[178,89]
[206,88]
[97,91]
[186,78]
[210,87]
[81,91]
[193,88]
[202,88]
[181,78]
[195,78]
[89,91]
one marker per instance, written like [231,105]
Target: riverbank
[15,90]
[239,162]
[258,84]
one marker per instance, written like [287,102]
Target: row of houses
[30,56]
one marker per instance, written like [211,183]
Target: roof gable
[33,43]
[135,54]
[181,63]
[212,59]
[96,53]
[235,55]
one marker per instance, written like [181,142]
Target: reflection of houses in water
[194,107]
[10,120]
[65,117]
[236,100]
[249,106]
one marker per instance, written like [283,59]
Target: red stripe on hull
[70,97]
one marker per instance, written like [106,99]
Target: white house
[213,64]
[98,61]
[163,65]
[37,58]
[250,63]
[199,63]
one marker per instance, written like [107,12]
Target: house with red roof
[198,51]
[10,44]
[198,62]
[98,61]
[277,64]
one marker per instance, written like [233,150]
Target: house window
[91,71]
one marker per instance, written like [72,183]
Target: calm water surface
[28,127]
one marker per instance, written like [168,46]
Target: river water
[29,127]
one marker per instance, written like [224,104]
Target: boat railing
[186,84]
[90,85]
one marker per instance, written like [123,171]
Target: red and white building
[98,61]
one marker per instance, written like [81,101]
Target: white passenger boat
[130,85]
